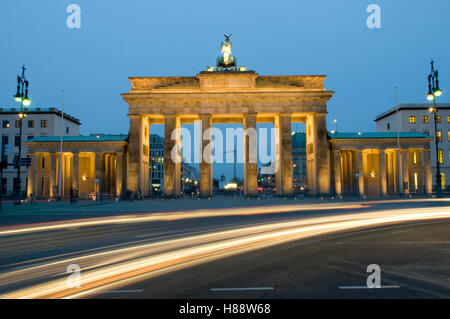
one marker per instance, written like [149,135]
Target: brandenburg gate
[228,94]
[341,164]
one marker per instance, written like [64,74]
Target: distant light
[26,102]
[430,97]
[437,93]
[359,133]
[231,186]
[332,132]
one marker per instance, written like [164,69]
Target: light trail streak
[171,216]
[117,268]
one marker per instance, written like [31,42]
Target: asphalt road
[142,242]
[414,261]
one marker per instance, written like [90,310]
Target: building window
[425,119]
[30,123]
[5,185]
[17,123]
[17,140]
[388,126]
[5,139]
[43,123]
[16,161]
[5,124]
[448,134]
[415,158]
[29,137]
[67,130]
[441,156]
[443,180]
[412,119]
[438,119]
[448,118]
[426,132]
[16,183]
[439,135]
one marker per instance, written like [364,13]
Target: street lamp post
[22,98]
[433,92]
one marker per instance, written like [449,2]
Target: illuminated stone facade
[229,97]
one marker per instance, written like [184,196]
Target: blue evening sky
[118,39]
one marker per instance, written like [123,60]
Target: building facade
[299,161]
[91,165]
[366,164]
[39,122]
[418,118]
[350,164]
[156,164]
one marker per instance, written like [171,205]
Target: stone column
[53,181]
[75,171]
[98,172]
[172,157]
[35,167]
[138,155]
[119,173]
[360,171]
[206,161]
[250,155]
[102,181]
[39,191]
[412,184]
[45,176]
[318,154]
[30,188]
[427,171]
[382,164]
[405,172]
[419,171]
[283,155]
[337,172]
[108,173]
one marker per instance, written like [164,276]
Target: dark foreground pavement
[414,257]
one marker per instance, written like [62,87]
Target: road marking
[242,289]
[365,287]
[122,291]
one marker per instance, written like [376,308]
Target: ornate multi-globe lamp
[22,98]
[433,92]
